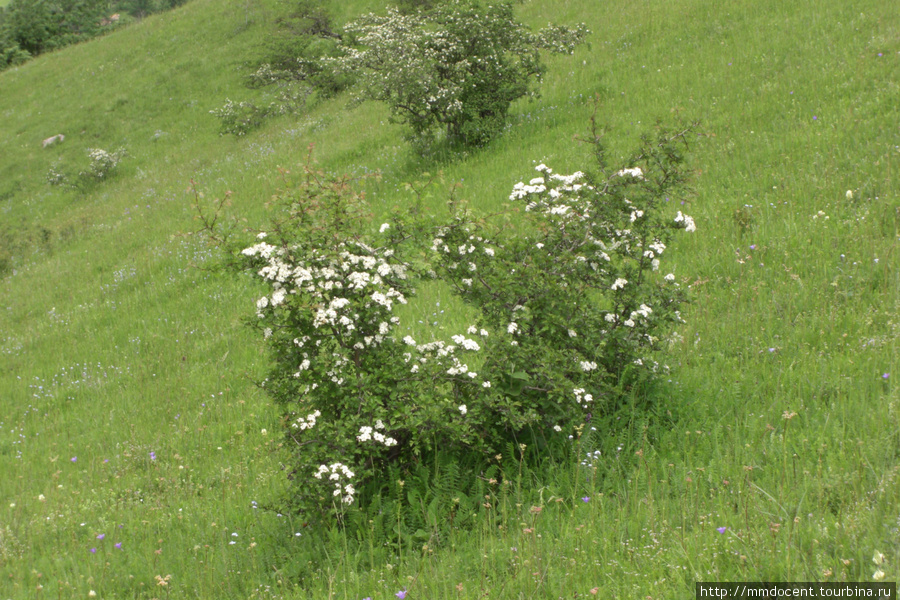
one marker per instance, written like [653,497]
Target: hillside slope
[134,443]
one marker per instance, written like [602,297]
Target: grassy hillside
[135,445]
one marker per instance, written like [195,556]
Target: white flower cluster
[689,224]
[335,472]
[619,284]
[635,172]
[367,433]
[308,422]
[560,185]
[582,398]
[444,356]
[643,311]
[466,343]
[338,288]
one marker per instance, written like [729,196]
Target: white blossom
[635,172]
[689,225]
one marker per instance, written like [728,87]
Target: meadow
[139,459]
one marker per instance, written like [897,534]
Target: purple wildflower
[119,545]
[721,529]
[152,455]
[585,498]
[93,551]
[101,536]
[74,459]
[401,594]
[886,376]
[753,246]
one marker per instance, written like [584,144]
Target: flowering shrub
[55,176]
[103,163]
[454,65]
[457,65]
[102,166]
[570,306]
[240,118]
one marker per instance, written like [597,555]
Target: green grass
[117,340]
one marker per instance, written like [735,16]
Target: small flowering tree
[457,66]
[103,163]
[570,309]
[454,65]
